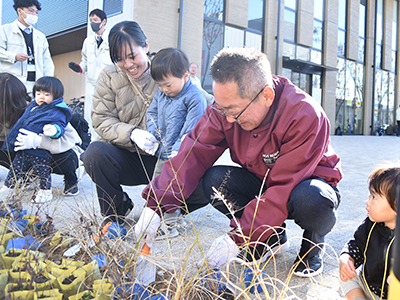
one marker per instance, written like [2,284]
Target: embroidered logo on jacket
[270,159]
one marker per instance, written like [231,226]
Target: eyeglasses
[236,118]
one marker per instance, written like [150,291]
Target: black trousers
[110,167]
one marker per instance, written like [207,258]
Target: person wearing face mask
[95,56]
[24,50]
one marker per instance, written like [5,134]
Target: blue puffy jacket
[170,118]
[34,118]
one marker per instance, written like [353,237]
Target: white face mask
[30,19]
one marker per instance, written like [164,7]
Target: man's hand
[147,226]
[144,140]
[75,67]
[222,250]
[49,130]
[346,267]
[27,140]
[21,57]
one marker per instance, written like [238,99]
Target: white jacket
[12,42]
[95,59]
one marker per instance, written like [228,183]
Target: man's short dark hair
[169,61]
[98,12]
[26,3]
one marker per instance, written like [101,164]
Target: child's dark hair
[169,61]
[383,181]
[98,12]
[49,84]
[26,3]
[125,33]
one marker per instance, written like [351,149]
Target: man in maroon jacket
[279,135]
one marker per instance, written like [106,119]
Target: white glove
[146,227]
[144,140]
[173,154]
[49,130]
[27,140]
[222,250]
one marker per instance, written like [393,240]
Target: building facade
[342,52]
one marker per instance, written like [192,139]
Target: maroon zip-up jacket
[292,144]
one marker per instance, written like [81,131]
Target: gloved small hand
[173,154]
[146,227]
[27,140]
[75,67]
[49,130]
[222,250]
[144,140]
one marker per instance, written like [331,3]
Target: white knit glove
[27,140]
[173,154]
[49,130]
[147,226]
[144,140]
[222,250]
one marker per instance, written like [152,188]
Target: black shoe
[260,253]
[308,266]
[125,207]
[71,189]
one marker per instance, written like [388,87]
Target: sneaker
[71,189]
[166,231]
[175,218]
[126,207]
[308,267]
[277,242]
[43,196]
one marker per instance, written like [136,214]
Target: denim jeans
[312,203]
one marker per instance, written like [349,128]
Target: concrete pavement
[359,154]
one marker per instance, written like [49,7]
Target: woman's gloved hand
[222,250]
[27,140]
[144,140]
[147,226]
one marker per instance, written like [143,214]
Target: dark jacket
[34,118]
[377,247]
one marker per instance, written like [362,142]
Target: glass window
[341,42]
[317,35]
[319,9]
[255,18]
[289,50]
[342,14]
[212,43]
[214,9]
[289,26]
[112,7]
[234,37]
[361,45]
[303,53]
[291,4]
[254,40]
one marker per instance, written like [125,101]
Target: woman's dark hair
[49,84]
[169,61]
[26,3]
[125,33]
[13,99]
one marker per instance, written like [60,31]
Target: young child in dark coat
[47,115]
[365,260]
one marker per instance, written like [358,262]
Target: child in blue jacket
[176,107]
[47,115]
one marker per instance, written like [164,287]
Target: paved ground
[360,155]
